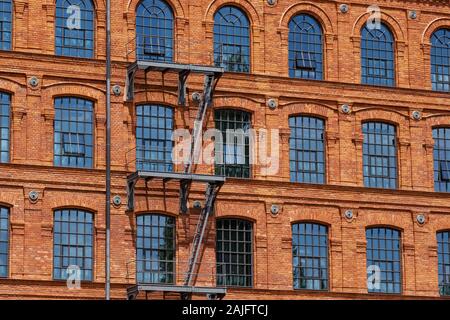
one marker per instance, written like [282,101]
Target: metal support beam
[211,194]
[210,292]
[182,77]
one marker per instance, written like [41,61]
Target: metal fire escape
[214,183]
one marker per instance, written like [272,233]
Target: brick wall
[31,166]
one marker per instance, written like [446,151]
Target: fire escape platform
[210,292]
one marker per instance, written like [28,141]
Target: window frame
[225,275]
[241,65]
[328,253]
[82,52]
[11,31]
[79,99]
[171,57]
[218,168]
[324,150]
[433,62]
[93,243]
[174,249]
[369,79]
[397,154]
[10,123]
[319,75]
[440,262]
[8,242]
[400,259]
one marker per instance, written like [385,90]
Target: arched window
[73,145]
[307,149]
[154,143]
[73,232]
[233,159]
[384,259]
[155,249]
[443,241]
[232,39]
[5,24]
[74,28]
[441,157]
[310,256]
[4,242]
[5,124]
[379,155]
[234,252]
[440,60]
[377,56]
[305,48]
[154,31]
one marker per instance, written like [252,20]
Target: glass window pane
[154,31]
[383,253]
[377,56]
[440,60]
[72,244]
[74,28]
[234,253]
[232,39]
[5,101]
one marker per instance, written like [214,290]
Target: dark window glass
[383,251]
[377,56]
[5,24]
[154,138]
[5,102]
[234,252]
[155,249]
[4,241]
[154,31]
[73,243]
[74,28]
[443,240]
[310,256]
[306,147]
[73,145]
[232,39]
[441,157]
[379,155]
[305,48]
[440,60]
[234,126]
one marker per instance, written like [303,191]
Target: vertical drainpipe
[108,153]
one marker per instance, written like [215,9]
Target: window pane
[4,126]
[154,31]
[4,241]
[233,159]
[5,24]
[305,48]
[232,39]
[310,256]
[73,140]
[72,243]
[307,160]
[154,138]
[377,56]
[383,251]
[74,28]
[155,249]
[441,155]
[443,240]
[440,60]
[379,155]
[234,252]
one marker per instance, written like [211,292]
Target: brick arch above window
[307,8]
[327,216]
[74,201]
[245,5]
[175,5]
[395,118]
[391,22]
[432,27]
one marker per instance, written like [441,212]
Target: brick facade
[31,157]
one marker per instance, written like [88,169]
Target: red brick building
[361,112]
